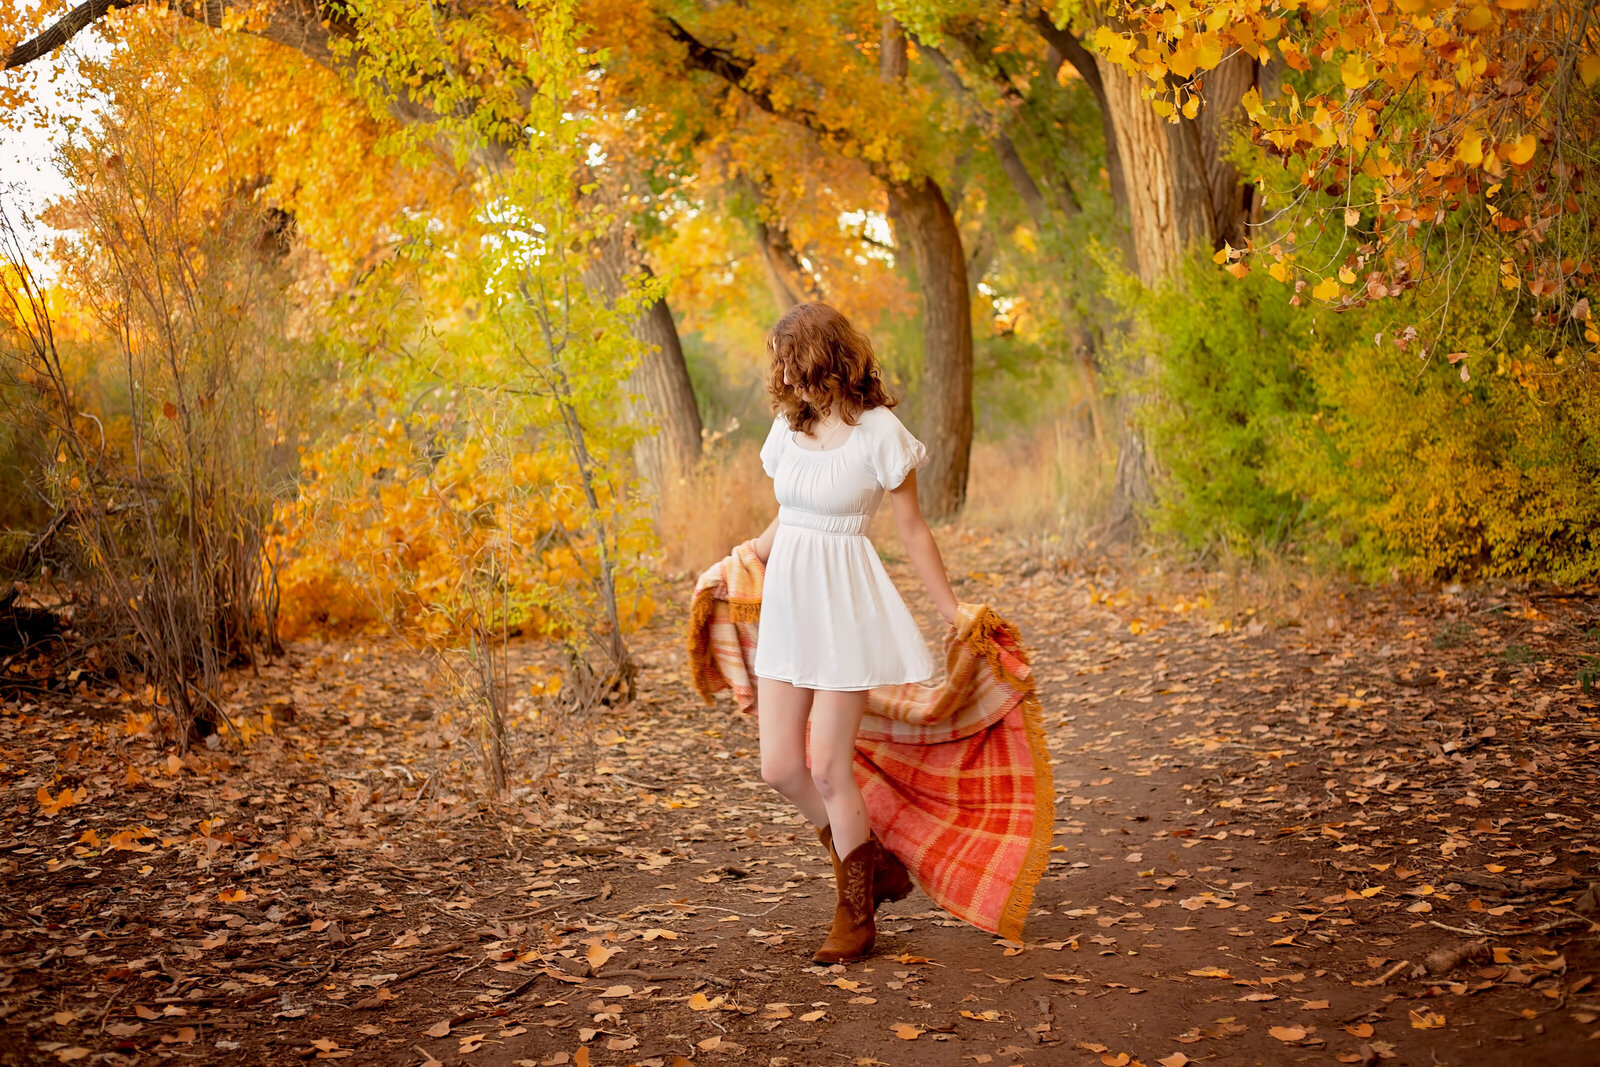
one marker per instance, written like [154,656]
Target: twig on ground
[1473,931]
[1383,979]
[746,914]
[109,1002]
[421,968]
[546,909]
[512,994]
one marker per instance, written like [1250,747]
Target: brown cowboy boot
[890,879]
[853,928]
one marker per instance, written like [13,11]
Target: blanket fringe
[1014,915]
[704,675]
[982,639]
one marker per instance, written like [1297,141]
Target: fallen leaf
[1426,1020]
[377,1000]
[1288,1034]
[905,1031]
[439,1029]
[598,954]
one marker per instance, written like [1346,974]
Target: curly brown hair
[828,360]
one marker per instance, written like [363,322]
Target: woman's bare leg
[781,713]
[835,718]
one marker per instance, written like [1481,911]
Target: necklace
[823,446]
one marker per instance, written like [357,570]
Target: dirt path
[1263,838]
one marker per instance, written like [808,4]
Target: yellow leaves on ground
[907,1032]
[597,953]
[1210,972]
[130,840]
[52,805]
[1426,1020]
[1288,1034]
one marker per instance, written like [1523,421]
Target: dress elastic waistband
[844,525]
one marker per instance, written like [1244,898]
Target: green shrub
[1343,431]
[1222,381]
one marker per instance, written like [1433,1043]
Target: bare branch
[299,24]
[63,30]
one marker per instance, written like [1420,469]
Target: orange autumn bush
[396,529]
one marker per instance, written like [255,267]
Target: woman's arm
[920,546]
[764,542]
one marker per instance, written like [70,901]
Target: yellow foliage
[435,541]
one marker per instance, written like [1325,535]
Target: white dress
[830,616]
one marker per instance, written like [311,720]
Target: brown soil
[1369,841]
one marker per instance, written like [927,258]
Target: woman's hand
[922,549]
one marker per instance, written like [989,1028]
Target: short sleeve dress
[830,615]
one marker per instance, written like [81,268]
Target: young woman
[832,624]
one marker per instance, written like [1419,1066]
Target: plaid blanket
[956,776]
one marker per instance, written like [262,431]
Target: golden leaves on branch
[1411,111]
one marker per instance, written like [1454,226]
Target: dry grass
[1279,591]
[726,501]
[1052,482]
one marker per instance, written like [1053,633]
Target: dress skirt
[831,617]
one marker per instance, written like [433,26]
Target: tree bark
[1233,203]
[787,277]
[660,394]
[1167,206]
[892,57]
[919,211]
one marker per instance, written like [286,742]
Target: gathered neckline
[825,451]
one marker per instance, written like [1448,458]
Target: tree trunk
[1233,203]
[919,211]
[660,394]
[786,275]
[1167,206]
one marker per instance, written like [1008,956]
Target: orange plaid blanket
[956,776]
